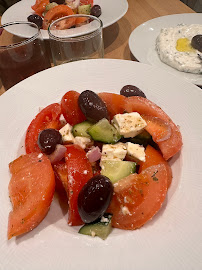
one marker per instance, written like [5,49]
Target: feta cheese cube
[135,151]
[66,133]
[113,151]
[83,142]
[129,124]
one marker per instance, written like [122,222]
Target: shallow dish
[112,11]
[143,38]
[171,240]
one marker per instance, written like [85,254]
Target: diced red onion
[58,154]
[94,154]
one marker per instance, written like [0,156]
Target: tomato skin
[144,106]
[154,157]
[70,108]
[79,171]
[114,102]
[40,6]
[31,191]
[56,13]
[47,118]
[86,2]
[138,197]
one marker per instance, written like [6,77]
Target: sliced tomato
[31,190]
[40,6]
[86,2]
[56,13]
[47,118]
[157,128]
[79,171]
[154,157]
[144,106]
[115,103]
[60,170]
[138,197]
[70,108]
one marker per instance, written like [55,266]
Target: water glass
[22,52]
[76,37]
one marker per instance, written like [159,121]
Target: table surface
[116,36]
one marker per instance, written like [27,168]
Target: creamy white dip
[166,42]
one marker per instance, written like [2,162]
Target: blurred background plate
[143,39]
[112,11]
[171,240]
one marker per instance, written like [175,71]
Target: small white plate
[171,240]
[143,38]
[112,11]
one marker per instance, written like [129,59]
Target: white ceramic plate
[172,240]
[142,42]
[112,11]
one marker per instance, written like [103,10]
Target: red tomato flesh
[47,118]
[70,108]
[114,102]
[86,2]
[144,106]
[154,157]
[79,171]
[31,191]
[138,197]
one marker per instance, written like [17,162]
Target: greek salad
[47,11]
[107,152]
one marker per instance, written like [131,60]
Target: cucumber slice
[103,131]
[100,228]
[117,169]
[81,128]
[84,9]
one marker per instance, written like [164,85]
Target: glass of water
[76,37]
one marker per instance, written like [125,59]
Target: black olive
[94,198]
[35,19]
[48,139]
[131,90]
[196,42]
[92,106]
[96,11]
[59,2]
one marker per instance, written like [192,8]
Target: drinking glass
[22,52]
[76,37]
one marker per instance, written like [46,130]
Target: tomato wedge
[56,13]
[47,118]
[40,6]
[157,128]
[114,102]
[31,190]
[70,108]
[154,157]
[138,197]
[60,170]
[144,106]
[79,171]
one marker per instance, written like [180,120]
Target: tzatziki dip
[181,47]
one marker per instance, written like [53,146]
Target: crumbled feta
[129,124]
[125,210]
[113,151]
[135,151]
[66,133]
[104,219]
[40,155]
[83,142]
